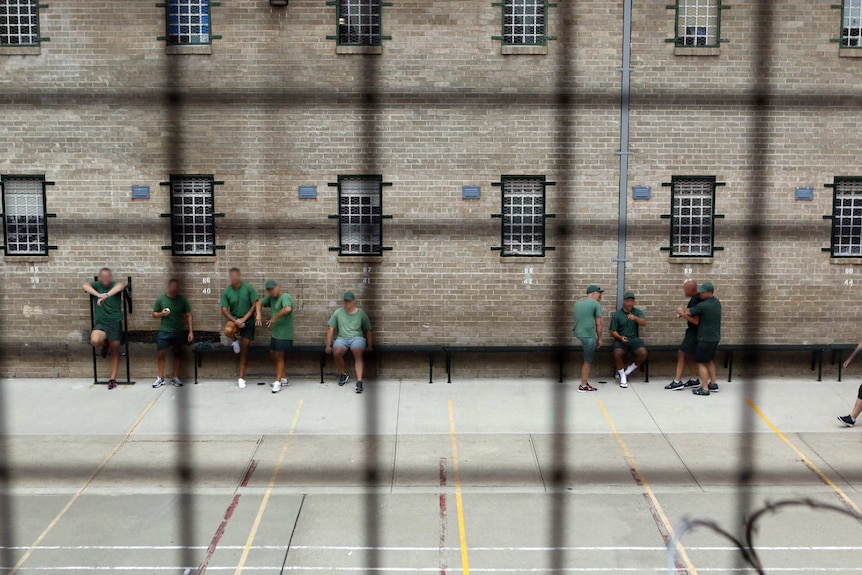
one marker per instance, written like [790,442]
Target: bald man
[685,353]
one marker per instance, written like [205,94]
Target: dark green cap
[629,294]
[271,284]
[349,296]
[706,286]
[595,288]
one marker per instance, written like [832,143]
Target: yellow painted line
[80,491]
[256,525]
[642,480]
[808,463]
[459,502]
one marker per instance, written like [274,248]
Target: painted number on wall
[849,281]
[687,272]
[528,277]
[206,289]
[34,277]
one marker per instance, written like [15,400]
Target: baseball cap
[629,294]
[706,286]
[349,296]
[271,284]
[595,288]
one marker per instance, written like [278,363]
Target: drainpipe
[624,152]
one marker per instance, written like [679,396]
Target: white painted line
[825,548]
[275,568]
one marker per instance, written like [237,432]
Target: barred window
[188,22]
[524,22]
[698,23]
[19,22]
[851,24]
[523,215]
[692,216]
[24,219]
[359,23]
[360,215]
[192,217]
[847,217]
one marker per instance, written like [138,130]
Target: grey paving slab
[51,461]
[838,450]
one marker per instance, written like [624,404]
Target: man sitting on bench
[354,333]
[624,327]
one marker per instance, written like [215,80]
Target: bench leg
[448,366]
[729,361]
[561,358]
[840,363]
[197,362]
[431,367]
[322,365]
[646,371]
[819,365]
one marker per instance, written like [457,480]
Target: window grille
[851,24]
[188,22]
[692,216]
[25,228]
[192,217]
[698,23]
[19,23]
[847,217]
[360,229]
[524,22]
[359,22]
[522,230]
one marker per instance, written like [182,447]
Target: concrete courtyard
[210,478]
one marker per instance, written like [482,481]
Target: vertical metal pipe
[624,152]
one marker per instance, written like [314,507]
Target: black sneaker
[692,383]
[713,387]
[847,420]
[112,384]
[675,385]
[700,391]
[343,378]
[359,386]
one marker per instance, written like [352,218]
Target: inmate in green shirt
[111,310]
[586,312]
[283,326]
[621,324]
[709,311]
[350,325]
[239,301]
[179,306]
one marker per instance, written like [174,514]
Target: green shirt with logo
[282,328]
[111,310]
[354,324]
[239,300]
[179,306]
[709,328]
[586,311]
[624,326]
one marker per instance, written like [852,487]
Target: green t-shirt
[621,324]
[283,326]
[709,311]
[239,301]
[586,312]
[350,325]
[111,310]
[179,306]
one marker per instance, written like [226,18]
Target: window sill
[359,259]
[687,261]
[26,260]
[839,261]
[359,49]
[202,49]
[20,50]
[195,259]
[521,260]
[850,52]
[695,51]
[524,50]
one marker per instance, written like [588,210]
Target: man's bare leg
[640,356]
[585,374]
[619,356]
[244,342]
[692,365]
[338,355]
[360,362]
[703,370]
[278,359]
[712,375]
[681,360]
[857,409]
[114,348]
[163,354]
[178,356]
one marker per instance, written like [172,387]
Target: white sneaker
[624,381]
[284,382]
[630,369]
[240,383]
[235,346]
[276,386]
[160,381]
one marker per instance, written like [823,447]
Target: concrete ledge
[524,260]
[26,260]
[695,51]
[360,259]
[524,50]
[195,259]
[686,261]
[850,52]
[359,49]
[20,50]
[200,49]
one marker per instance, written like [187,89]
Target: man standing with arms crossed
[281,322]
[588,329]
[108,325]
[625,324]
[685,353]
[354,333]
[172,308]
[707,316]
[238,304]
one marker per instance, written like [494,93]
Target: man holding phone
[625,324]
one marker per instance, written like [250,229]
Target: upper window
[360,215]
[698,23]
[19,23]
[851,24]
[524,22]
[24,219]
[692,220]
[192,217]
[523,226]
[847,217]
[359,22]
[188,22]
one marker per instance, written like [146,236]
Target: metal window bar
[24,218]
[698,23]
[847,218]
[192,218]
[523,216]
[524,22]
[359,23]
[851,24]
[19,23]
[692,216]
[188,22]
[360,215]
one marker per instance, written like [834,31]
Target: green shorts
[171,339]
[248,331]
[276,344]
[705,351]
[589,349]
[634,344]
[114,330]
[689,342]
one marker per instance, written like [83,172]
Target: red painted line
[661,530]
[219,534]
[441,552]
[249,472]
